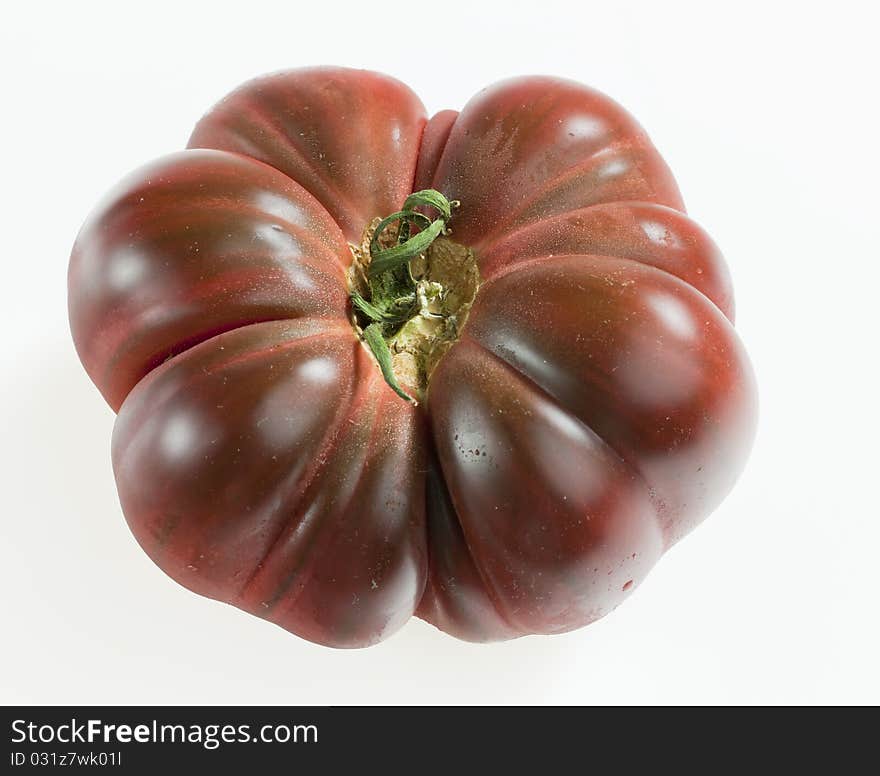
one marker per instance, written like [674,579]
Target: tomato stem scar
[411,289]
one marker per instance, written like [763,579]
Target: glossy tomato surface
[597,406]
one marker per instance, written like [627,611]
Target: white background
[767,114]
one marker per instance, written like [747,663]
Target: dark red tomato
[595,407]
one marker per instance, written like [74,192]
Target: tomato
[592,404]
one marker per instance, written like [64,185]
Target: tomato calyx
[411,288]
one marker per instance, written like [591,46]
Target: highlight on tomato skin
[478,368]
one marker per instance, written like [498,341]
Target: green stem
[375,314]
[383,260]
[391,292]
[398,255]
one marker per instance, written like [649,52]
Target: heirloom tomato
[494,409]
